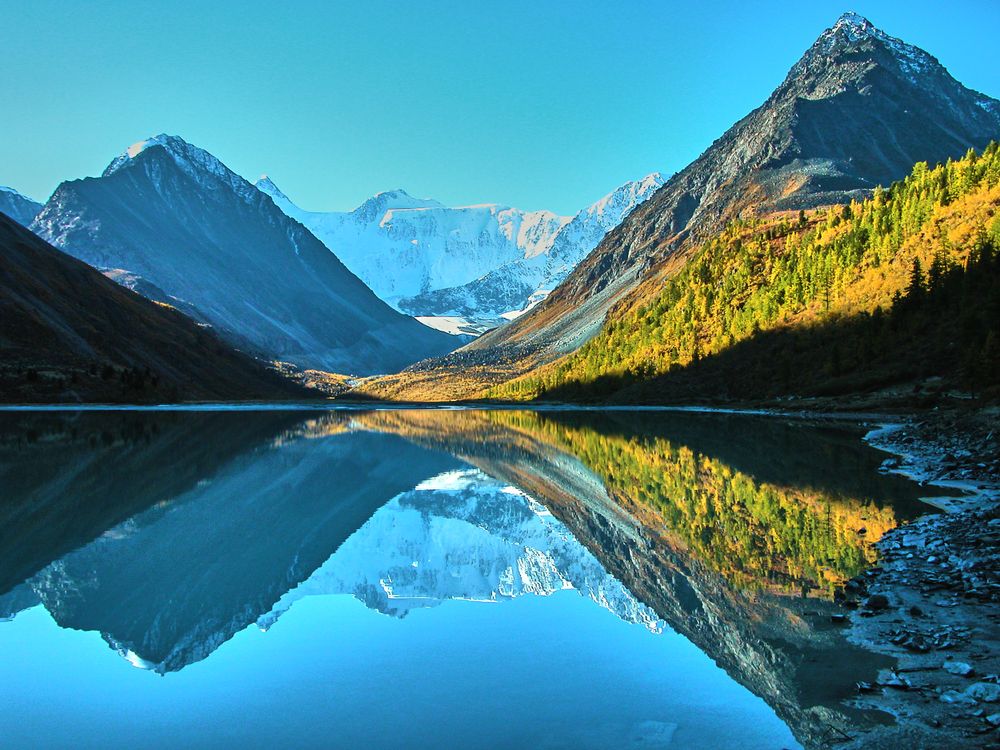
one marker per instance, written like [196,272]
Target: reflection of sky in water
[547,672]
[569,658]
[254,558]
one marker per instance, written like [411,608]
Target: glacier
[462,269]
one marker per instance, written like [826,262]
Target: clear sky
[532,104]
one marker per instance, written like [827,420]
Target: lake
[433,578]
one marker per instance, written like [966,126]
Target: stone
[896,681]
[984,691]
[959,668]
[877,602]
[953,696]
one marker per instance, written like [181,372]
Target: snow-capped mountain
[463,535]
[167,216]
[20,208]
[479,263]
[515,287]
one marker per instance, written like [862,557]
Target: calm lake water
[432,578]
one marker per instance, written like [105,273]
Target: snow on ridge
[854,27]
[194,161]
[463,536]
[490,259]
[18,193]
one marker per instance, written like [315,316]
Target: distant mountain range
[175,222]
[859,109]
[480,264]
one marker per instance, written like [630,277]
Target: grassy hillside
[900,287]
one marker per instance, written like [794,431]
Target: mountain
[176,218]
[176,580]
[835,302]
[67,333]
[857,110]
[510,290]
[476,539]
[479,264]
[20,208]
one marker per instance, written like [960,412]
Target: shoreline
[933,601]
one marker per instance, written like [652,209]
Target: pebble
[984,691]
[959,668]
[877,602]
[953,696]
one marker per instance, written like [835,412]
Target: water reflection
[169,533]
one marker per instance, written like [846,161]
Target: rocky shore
[933,603]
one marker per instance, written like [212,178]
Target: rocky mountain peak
[848,50]
[859,109]
[195,162]
[266,184]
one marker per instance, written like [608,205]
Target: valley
[713,459]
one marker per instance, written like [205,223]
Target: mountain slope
[831,303]
[401,246]
[483,263]
[20,208]
[859,109]
[67,333]
[176,217]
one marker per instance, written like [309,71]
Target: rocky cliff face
[857,110]
[176,218]
[20,208]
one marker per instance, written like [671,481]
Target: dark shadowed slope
[67,333]
[180,220]
[859,109]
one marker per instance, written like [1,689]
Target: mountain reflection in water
[169,533]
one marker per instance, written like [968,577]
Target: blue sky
[534,104]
